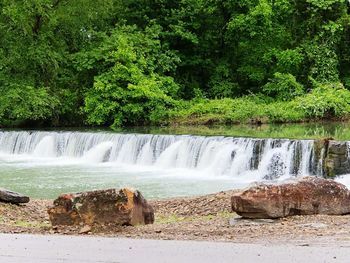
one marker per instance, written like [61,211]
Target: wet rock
[12,197]
[330,158]
[121,207]
[308,196]
[320,148]
[336,161]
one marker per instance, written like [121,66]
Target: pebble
[85,229]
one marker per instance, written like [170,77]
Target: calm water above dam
[44,164]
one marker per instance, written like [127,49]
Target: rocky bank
[196,218]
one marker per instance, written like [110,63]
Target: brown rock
[308,196]
[122,207]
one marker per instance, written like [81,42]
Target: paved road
[39,249]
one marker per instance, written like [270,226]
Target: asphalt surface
[38,249]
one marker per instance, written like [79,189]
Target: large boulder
[12,197]
[308,196]
[121,207]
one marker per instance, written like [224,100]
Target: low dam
[97,159]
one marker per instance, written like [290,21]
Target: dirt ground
[194,218]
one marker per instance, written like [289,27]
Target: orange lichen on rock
[121,207]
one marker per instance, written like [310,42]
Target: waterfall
[46,147]
[215,156]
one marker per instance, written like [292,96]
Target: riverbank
[258,109]
[195,218]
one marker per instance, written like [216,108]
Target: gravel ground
[196,218]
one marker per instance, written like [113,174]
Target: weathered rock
[308,196]
[336,161]
[12,197]
[330,158]
[320,148]
[122,207]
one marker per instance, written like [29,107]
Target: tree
[131,85]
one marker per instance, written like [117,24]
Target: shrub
[326,100]
[283,87]
[20,103]
[284,112]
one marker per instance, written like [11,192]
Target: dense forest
[137,62]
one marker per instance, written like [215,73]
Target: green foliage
[323,62]
[289,60]
[129,88]
[221,83]
[250,109]
[24,103]
[110,62]
[280,112]
[326,100]
[283,87]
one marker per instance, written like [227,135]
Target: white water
[172,165]
[212,156]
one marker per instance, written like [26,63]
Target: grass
[24,223]
[30,224]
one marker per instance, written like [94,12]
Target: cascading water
[215,156]
[169,164]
